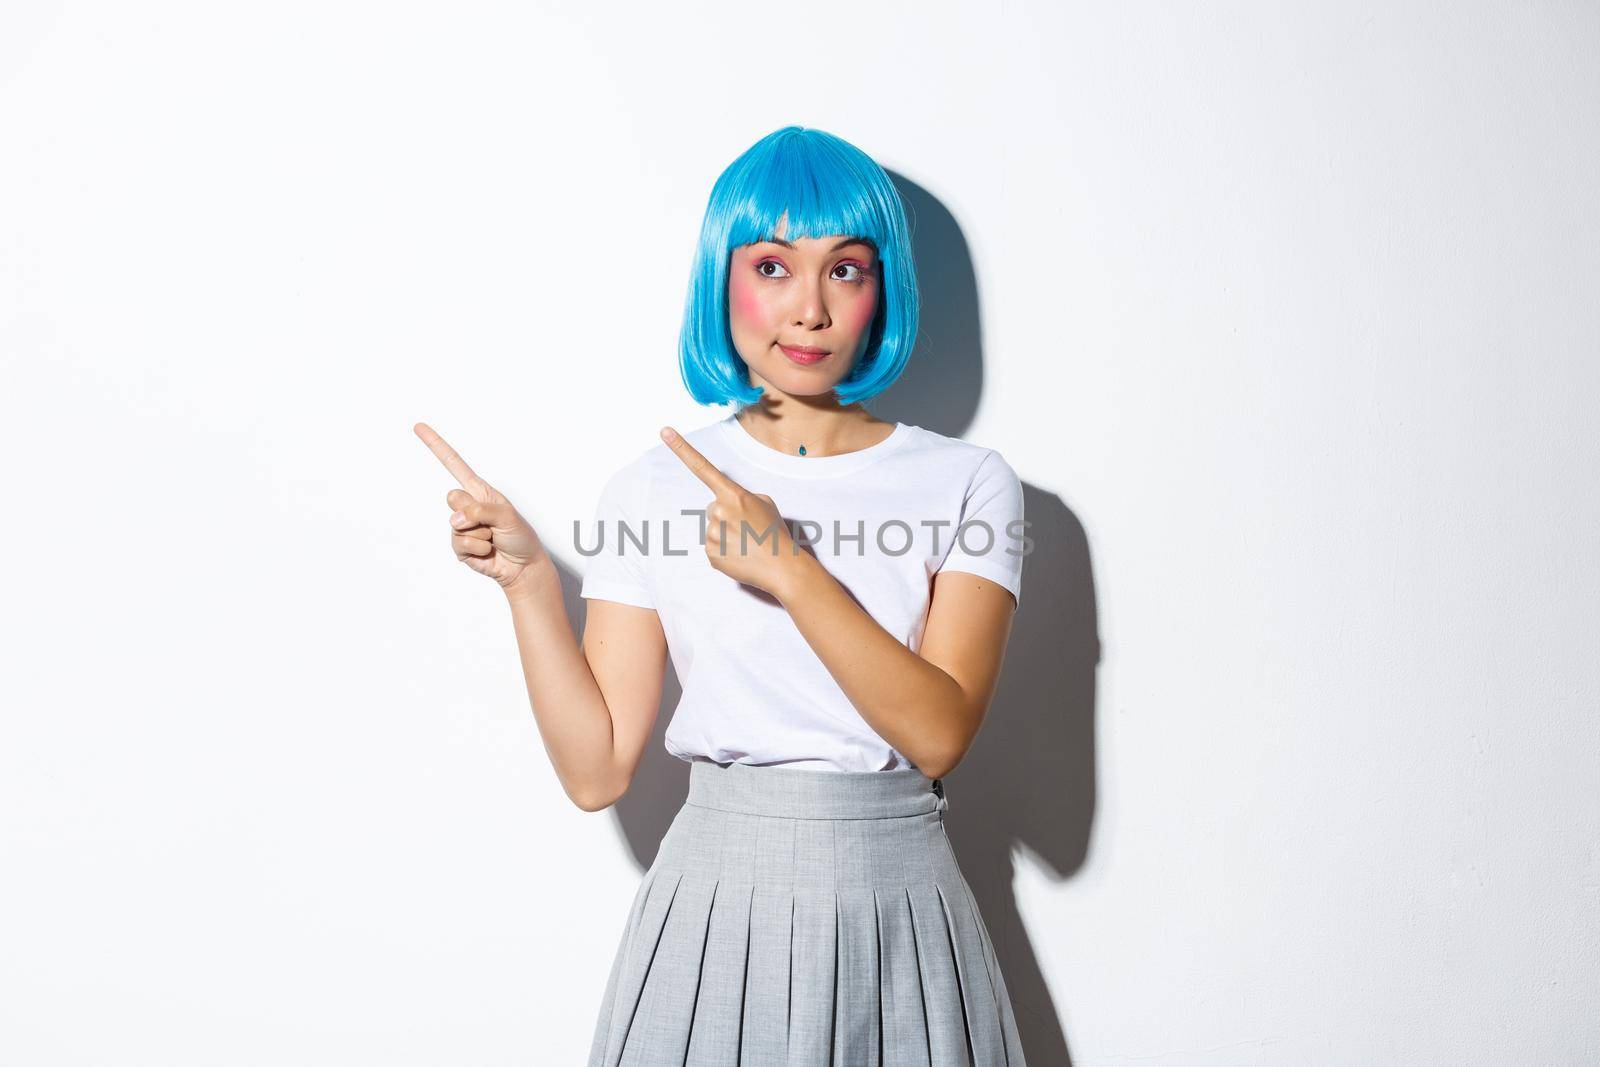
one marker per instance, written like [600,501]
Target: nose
[811,310]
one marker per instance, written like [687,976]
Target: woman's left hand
[767,555]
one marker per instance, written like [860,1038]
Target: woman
[836,593]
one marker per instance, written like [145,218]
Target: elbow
[940,762]
[594,798]
[586,802]
[943,749]
[942,755]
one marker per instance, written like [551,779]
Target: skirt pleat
[776,929]
[813,957]
[671,975]
[979,1007]
[1009,1037]
[717,1021]
[765,1035]
[858,1031]
[610,1016]
[947,1037]
[900,996]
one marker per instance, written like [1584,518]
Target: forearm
[568,706]
[912,704]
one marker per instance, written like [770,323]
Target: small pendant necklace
[787,444]
[800,449]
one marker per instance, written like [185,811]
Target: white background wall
[1293,311]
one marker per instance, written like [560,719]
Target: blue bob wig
[827,186]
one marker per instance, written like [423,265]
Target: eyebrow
[846,241]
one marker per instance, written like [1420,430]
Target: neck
[819,431]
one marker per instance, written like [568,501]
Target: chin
[798,381]
[807,386]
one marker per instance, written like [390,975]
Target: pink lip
[804,353]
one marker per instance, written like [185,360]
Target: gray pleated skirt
[806,917]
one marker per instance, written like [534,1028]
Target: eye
[860,275]
[760,269]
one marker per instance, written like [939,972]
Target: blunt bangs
[827,186]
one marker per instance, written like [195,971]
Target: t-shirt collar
[796,466]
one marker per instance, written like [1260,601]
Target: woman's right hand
[489,536]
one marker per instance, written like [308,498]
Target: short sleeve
[990,542]
[617,571]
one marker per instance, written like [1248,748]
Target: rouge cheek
[858,315]
[743,299]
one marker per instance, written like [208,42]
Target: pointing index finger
[448,456]
[698,465]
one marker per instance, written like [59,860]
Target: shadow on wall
[1029,779]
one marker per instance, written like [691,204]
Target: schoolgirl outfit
[805,906]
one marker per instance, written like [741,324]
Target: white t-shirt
[753,690]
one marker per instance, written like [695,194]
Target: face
[801,312]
